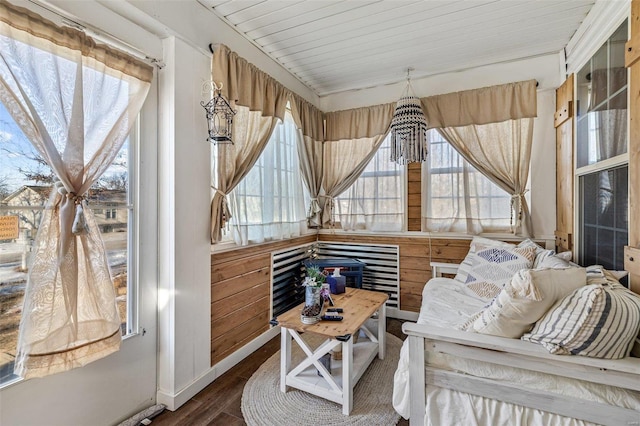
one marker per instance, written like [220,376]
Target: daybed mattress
[448,303]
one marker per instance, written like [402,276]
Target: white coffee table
[358,305]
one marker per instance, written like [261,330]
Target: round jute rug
[263,404]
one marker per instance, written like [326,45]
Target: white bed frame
[425,339]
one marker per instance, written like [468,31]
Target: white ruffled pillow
[524,300]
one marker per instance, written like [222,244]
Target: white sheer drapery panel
[310,123]
[502,153]
[376,200]
[77,110]
[310,158]
[268,204]
[251,132]
[457,198]
[344,161]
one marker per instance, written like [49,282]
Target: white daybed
[451,377]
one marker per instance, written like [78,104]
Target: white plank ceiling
[337,45]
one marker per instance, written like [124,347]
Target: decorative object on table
[325,293]
[408,130]
[219,115]
[337,282]
[312,291]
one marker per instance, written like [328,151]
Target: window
[376,199]
[268,204]
[25,185]
[601,156]
[110,214]
[458,198]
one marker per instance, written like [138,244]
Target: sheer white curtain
[269,203]
[492,129]
[458,198]
[376,200]
[76,102]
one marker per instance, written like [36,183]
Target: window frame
[227,242]
[133,236]
[427,172]
[607,164]
[400,171]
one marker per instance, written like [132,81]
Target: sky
[15,150]
[13,140]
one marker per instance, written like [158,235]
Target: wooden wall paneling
[564,160]
[235,268]
[240,295]
[224,307]
[414,201]
[228,343]
[223,289]
[244,252]
[229,322]
[634,138]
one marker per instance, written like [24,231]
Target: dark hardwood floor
[219,403]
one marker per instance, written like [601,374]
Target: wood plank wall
[632,56]
[416,253]
[414,197]
[563,122]
[240,295]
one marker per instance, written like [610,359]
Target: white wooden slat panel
[300,20]
[342,27]
[349,78]
[213,3]
[352,80]
[337,36]
[228,8]
[442,31]
[482,48]
[420,18]
[335,45]
[390,51]
[291,11]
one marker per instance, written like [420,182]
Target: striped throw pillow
[600,320]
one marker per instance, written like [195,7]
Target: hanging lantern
[408,129]
[219,117]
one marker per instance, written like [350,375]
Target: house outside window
[25,185]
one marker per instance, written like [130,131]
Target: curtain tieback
[225,212]
[332,205]
[517,201]
[314,208]
[79,226]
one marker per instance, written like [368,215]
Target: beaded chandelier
[408,129]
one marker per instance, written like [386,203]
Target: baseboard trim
[175,401]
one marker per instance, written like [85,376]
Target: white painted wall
[185,259]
